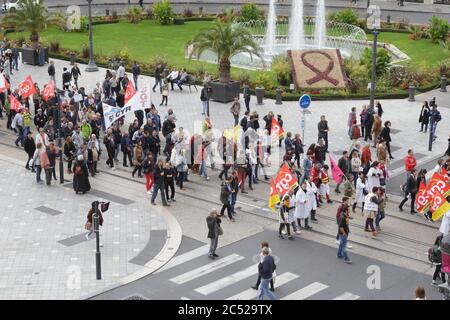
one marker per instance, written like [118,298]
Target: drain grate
[136,297]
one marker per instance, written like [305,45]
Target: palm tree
[226,40]
[31,16]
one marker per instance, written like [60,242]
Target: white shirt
[173,75]
[445,224]
[121,72]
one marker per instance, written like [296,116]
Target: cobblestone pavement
[44,253]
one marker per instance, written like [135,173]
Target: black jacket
[157,177]
[168,127]
[344,165]
[386,134]
[411,185]
[267,267]
[213,227]
[51,70]
[29,146]
[224,193]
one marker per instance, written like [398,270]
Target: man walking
[136,73]
[435,117]
[410,189]
[51,72]
[214,230]
[266,269]
[410,162]
[29,147]
[344,230]
[158,78]
[323,129]
[121,75]
[344,165]
[247,96]
[75,72]
[236,110]
[158,179]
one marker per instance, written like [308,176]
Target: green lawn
[420,51]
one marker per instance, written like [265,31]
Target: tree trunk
[34,38]
[224,70]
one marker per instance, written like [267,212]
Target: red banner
[48,91]
[438,185]
[130,92]
[423,198]
[285,180]
[27,88]
[14,104]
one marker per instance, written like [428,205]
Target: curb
[173,242]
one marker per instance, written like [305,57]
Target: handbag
[220,231]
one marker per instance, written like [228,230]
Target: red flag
[439,185]
[14,104]
[285,180]
[444,174]
[423,198]
[130,92]
[439,207]
[277,131]
[4,84]
[335,171]
[274,197]
[27,88]
[48,91]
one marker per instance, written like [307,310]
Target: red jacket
[410,162]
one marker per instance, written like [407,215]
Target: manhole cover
[136,297]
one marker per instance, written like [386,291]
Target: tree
[226,40]
[31,16]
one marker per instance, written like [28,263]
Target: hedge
[99,22]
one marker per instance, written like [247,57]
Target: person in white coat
[311,191]
[361,191]
[373,176]
[445,224]
[291,215]
[301,206]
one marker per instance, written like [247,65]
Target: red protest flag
[439,185]
[336,172]
[27,88]
[4,84]
[14,104]
[439,207]
[423,198]
[277,131]
[48,91]
[285,180]
[274,197]
[130,92]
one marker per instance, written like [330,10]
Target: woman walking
[93,148]
[386,136]
[181,166]
[376,129]
[169,181]
[69,152]
[371,203]
[138,159]
[147,168]
[424,118]
[81,176]
[37,161]
[165,93]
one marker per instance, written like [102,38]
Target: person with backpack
[435,257]
[81,176]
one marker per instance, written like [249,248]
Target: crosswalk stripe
[347,296]
[185,257]
[207,268]
[306,292]
[227,281]
[250,294]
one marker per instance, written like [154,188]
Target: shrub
[250,11]
[163,12]
[417,32]
[124,54]
[54,46]
[382,61]
[178,21]
[243,77]
[159,60]
[358,77]
[114,15]
[21,41]
[262,79]
[438,29]
[282,68]
[444,68]
[188,13]
[149,13]
[85,51]
[134,15]
[59,20]
[347,15]
[84,24]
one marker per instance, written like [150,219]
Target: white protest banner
[140,101]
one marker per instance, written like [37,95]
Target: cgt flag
[285,180]
[130,92]
[27,88]
[4,84]
[277,131]
[140,101]
[439,206]
[274,197]
[48,91]
[14,104]
[424,198]
[439,185]
[336,171]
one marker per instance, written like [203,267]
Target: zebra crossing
[244,273]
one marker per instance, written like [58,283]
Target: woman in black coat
[81,176]
[386,136]
[424,117]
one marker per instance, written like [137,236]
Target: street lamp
[373,22]
[91,67]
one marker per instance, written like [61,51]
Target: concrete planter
[30,56]
[224,92]
[259,95]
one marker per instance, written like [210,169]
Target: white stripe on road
[188,256]
[306,292]
[185,298]
[207,268]
[347,296]
[252,293]
[228,281]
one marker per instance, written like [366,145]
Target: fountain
[271,29]
[321,25]
[296,26]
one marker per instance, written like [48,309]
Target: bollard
[388,19]
[412,92]
[72,58]
[107,12]
[443,84]
[279,96]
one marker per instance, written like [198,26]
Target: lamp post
[91,67]
[96,217]
[374,69]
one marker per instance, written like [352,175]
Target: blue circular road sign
[305,101]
